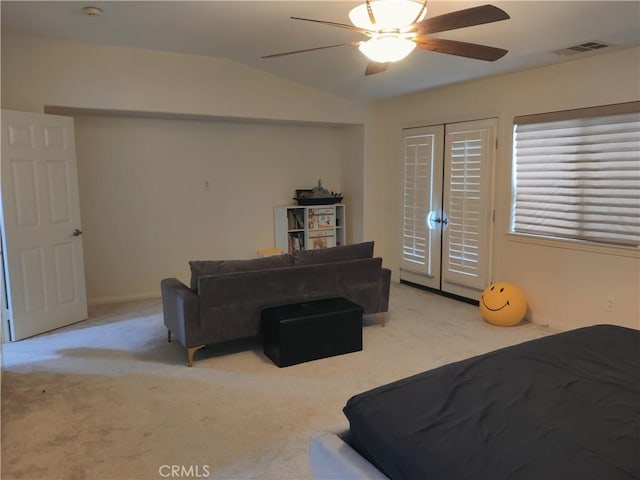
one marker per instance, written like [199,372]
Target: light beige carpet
[109,398]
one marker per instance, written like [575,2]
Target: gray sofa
[225,298]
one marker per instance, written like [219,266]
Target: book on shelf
[326,211]
[295,219]
[295,241]
[321,240]
[312,219]
[321,218]
[326,221]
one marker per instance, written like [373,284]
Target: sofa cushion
[215,267]
[333,254]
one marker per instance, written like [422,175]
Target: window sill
[621,251]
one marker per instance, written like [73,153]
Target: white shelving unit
[309,227]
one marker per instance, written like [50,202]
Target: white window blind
[418,176]
[577,174]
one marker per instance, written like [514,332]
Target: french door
[447,211]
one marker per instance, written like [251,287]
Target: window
[577,174]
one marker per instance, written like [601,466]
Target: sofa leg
[190,352]
[382,316]
[169,336]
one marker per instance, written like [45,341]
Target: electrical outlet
[610,306]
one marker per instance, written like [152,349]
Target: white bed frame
[331,457]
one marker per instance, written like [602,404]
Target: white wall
[565,288]
[352,164]
[38,72]
[144,209]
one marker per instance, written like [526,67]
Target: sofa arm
[181,307]
[383,294]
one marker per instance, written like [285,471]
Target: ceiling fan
[396,27]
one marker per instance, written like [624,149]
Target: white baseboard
[92,302]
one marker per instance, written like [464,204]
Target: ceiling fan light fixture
[396,27]
[389,14]
[387,49]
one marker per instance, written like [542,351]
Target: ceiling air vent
[582,48]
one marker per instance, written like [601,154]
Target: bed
[566,406]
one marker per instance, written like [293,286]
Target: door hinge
[496,143]
[493,216]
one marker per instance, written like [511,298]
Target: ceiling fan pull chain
[372,18]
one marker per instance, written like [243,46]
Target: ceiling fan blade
[334,24]
[273,55]
[460,19]
[462,49]
[376,67]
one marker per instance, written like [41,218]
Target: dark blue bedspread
[566,406]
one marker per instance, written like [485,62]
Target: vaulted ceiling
[243,31]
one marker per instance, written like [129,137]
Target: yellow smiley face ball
[503,304]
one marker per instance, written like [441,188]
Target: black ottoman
[307,331]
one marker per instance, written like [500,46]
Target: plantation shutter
[469,152]
[421,193]
[577,174]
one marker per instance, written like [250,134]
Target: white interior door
[41,231]
[447,206]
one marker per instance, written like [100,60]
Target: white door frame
[4,312]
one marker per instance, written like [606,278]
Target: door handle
[76,232]
[433,220]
